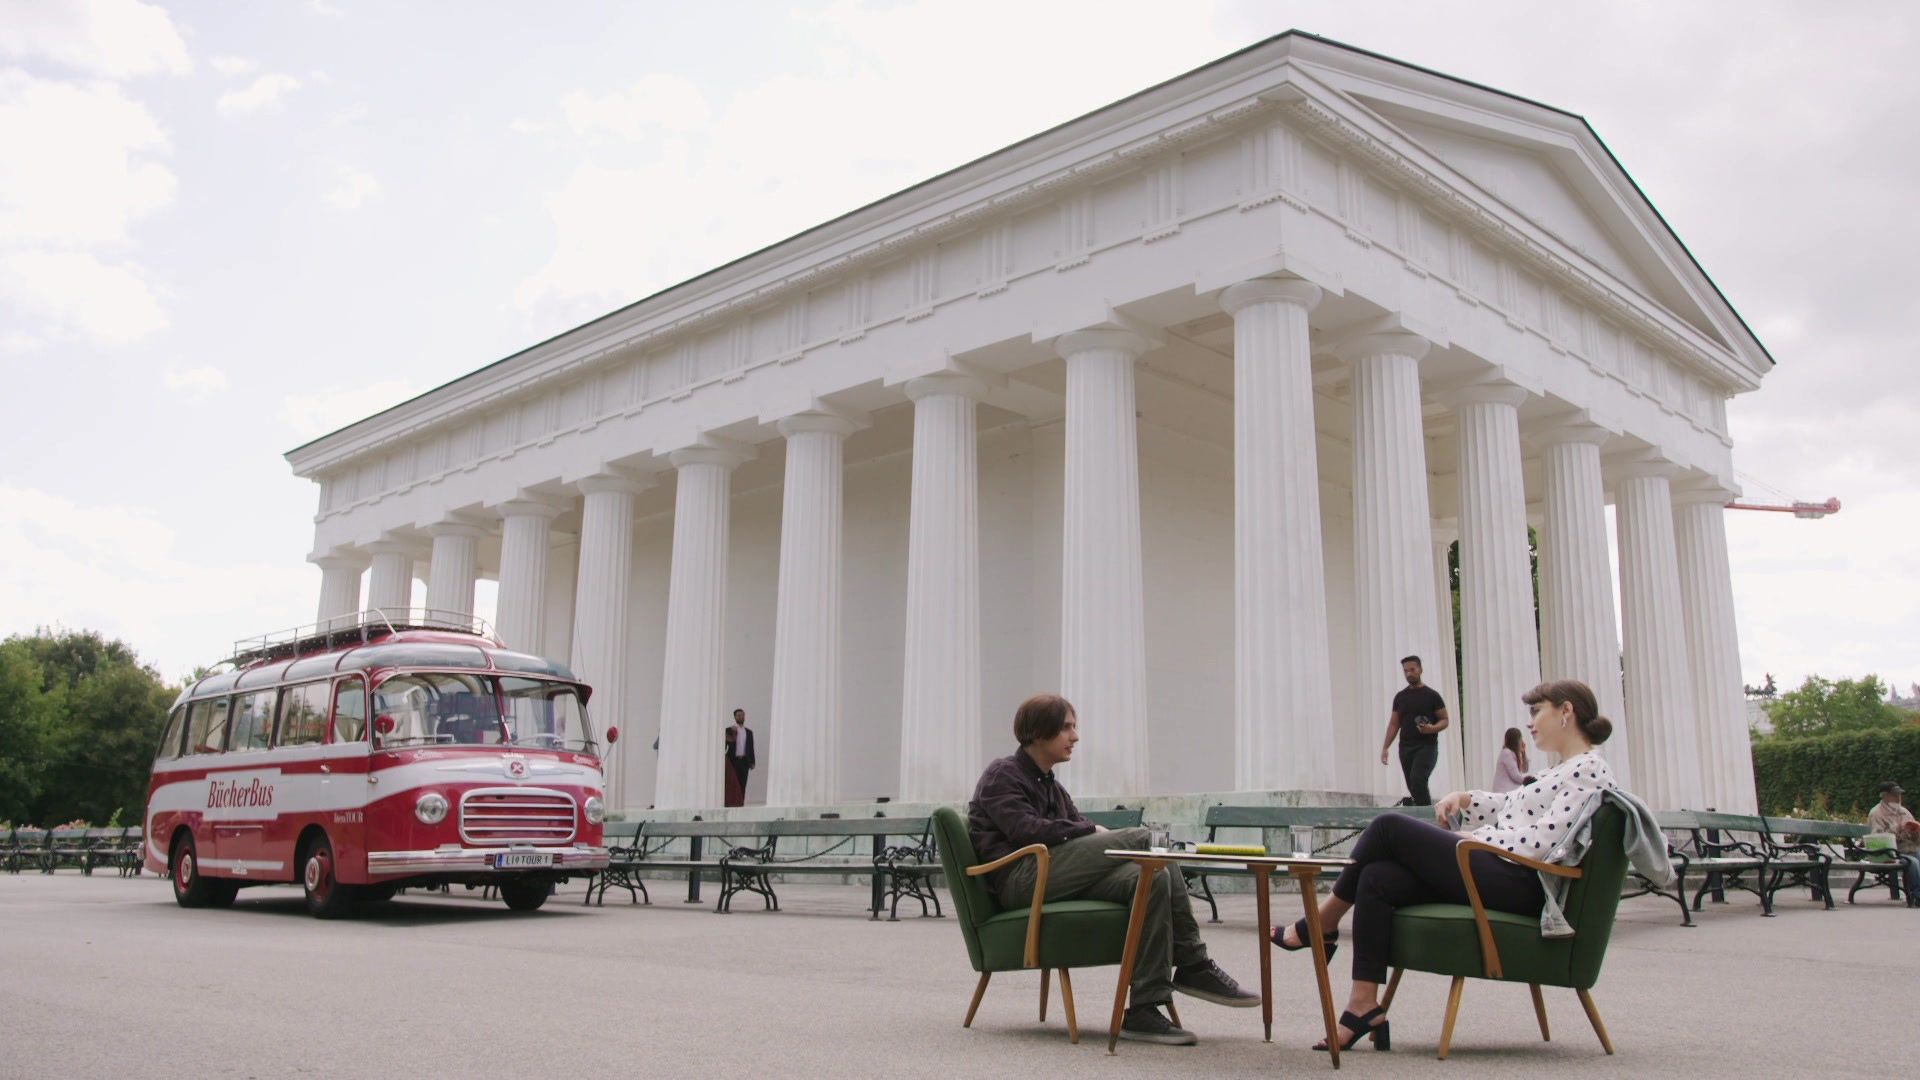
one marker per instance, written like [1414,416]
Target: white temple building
[1175,408]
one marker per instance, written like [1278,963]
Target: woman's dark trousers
[1400,861]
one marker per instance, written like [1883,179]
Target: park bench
[1833,845]
[898,871]
[624,848]
[1298,822]
[66,847]
[1708,852]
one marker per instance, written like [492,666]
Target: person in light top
[1510,767]
[1401,860]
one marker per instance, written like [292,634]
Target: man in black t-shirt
[1419,716]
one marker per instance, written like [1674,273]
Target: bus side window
[252,721]
[207,726]
[303,715]
[349,711]
[170,742]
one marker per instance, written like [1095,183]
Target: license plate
[507,860]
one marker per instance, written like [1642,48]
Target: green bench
[66,847]
[624,848]
[1835,845]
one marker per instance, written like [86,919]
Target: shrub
[1842,771]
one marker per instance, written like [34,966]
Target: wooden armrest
[1489,955]
[1045,860]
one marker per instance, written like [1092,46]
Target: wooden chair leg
[1593,1014]
[1046,980]
[1173,1013]
[1392,985]
[1540,1011]
[979,992]
[1453,1013]
[1066,998]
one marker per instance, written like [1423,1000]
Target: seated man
[1889,816]
[1018,802]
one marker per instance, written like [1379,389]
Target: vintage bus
[375,754]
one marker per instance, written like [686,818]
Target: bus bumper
[571,858]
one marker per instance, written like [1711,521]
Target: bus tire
[525,895]
[191,888]
[326,897]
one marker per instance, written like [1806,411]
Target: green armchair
[1470,942]
[1052,937]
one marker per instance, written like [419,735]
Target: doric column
[1394,604]
[339,586]
[1713,650]
[692,713]
[600,601]
[390,586]
[1659,693]
[1284,727]
[1578,635]
[521,617]
[803,748]
[1103,636]
[1499,653]
[453,566]
[940,699]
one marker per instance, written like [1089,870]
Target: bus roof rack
[359,627]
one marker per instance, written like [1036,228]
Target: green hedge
[1838,774]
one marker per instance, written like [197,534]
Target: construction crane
[1810,511]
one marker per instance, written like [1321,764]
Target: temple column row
[1674,699]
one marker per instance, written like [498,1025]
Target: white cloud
[651,104]
[260,95]
[232,66]
[308,416]
[79,164]
[352,188]
[196,384]
[73,294]
[322,7]
[116,569]
[116,39]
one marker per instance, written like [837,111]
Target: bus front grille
[516,816]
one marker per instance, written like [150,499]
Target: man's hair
[739,712]
[1411,660]
[1040,717]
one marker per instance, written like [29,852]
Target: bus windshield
[448,707]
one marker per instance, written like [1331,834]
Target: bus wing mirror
[613,735]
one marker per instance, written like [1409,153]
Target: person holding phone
[1419,716]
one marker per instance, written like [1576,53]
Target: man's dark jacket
[1016,804]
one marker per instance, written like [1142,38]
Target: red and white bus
[394,753]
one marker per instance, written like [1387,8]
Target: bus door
[241,796]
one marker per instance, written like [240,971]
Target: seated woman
[1510,767]
[1401,860]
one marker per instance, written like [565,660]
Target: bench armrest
[1045,861]
[1490,956]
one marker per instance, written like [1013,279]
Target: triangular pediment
[1550,184]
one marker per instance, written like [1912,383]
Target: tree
[89,714]
[1823,707]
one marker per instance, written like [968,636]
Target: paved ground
[104,976]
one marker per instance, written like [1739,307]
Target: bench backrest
[70,837]
[620,830]
[1738,823]
[1117,818]
[1304,817]
[862,826]
[731,829]
[1676,820]
[1780,828]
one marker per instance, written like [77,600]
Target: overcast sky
[226,229]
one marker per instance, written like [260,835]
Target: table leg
[1306,876]
[1136,919]
[1261,876]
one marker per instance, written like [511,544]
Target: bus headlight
[431,808]
[595,810]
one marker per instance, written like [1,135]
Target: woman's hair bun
[1597,730]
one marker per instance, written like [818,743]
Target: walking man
[740,759]
[1419,716]
[1019,802]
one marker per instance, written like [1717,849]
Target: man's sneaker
[1207,982]
[1144,1023]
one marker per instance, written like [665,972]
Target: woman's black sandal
[1363,1026]
[1279,937]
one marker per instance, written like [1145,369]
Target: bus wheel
[525,895]
[190,888]
[326,897]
